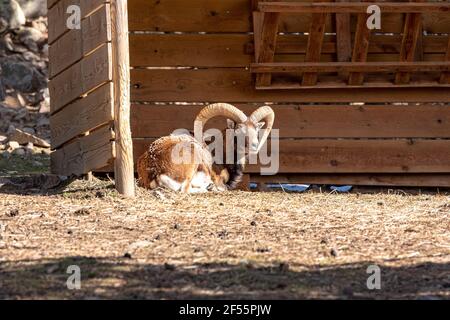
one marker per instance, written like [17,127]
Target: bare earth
[235,245]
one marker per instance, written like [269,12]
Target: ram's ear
[231,124]
[260,125]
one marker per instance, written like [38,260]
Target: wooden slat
[72,46]
[237,50]
[82,77]
[85,154]
[83,115]
[352,7]
[387,180]
[51,3]
[236,16]
[295,121]
[343,38]
[373,67]
[360,48]
[269,34]
[413,26]
[354,156]
[445,77]
[219,85]
[57,15]
[314,48]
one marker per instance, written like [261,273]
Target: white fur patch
[168,182]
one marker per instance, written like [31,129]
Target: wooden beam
[314,47]
[123,166]
[413,23]
[373,67]
[269,33]
[361,48]
[343,38]
[445,76]
[352,7]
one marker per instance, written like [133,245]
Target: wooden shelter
[353,105]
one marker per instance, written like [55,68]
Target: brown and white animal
[157,167]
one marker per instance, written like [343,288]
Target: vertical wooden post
[123,166]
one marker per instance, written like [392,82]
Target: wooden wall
[81,88]
[186,55]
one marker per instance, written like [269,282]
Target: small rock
[13,145]
[19,152]
[3,139]
[29,130]
[253,223]
[24,138]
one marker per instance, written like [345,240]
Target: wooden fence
[388,129]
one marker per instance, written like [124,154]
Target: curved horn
[267,114]
[214,110]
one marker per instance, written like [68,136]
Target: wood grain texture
[445,76]
[57,15]
[238,50]
[80,78]
[354,156]
[123,165]
[303,121]
[75,44]
[413,26]
[267,45]
[372,67]
[236,16]
[353,7]
[83,115]
[85,154]
[360,48]
[314,47]
[233,84]
[343,38]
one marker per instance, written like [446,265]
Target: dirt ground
[271,245]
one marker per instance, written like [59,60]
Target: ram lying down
[184,163]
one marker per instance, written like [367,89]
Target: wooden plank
[314,48]
[387,180]
[352,7]
[237,50]
[82,77]
[236,16]
[360,48]
[373,67]
[75,44]
[84,115]
[343,38]
[51,3]
[230,84]
[445,76]
[57,15]
[85,154]
[269,34]
[413,26]
[354,156]
[123,165]
[295,121]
